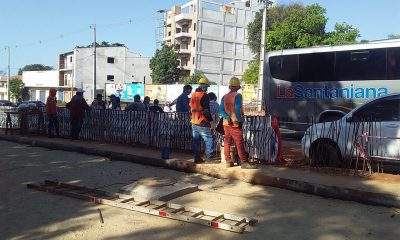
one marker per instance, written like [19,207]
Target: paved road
[26,214]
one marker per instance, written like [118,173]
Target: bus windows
[393,63]
[317,67]
[361,65]
[284,67]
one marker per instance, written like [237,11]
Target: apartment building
[211,36]
[113,65]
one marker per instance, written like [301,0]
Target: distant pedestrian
[146,101]
[77,107]
[182,102]
[96,106]
[155,107]
[137,105]
[214,106]
[231,110]
[100,102]
[167,107]
[51,110]
[114,103]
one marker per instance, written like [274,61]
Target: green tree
[343,34]
[192,79]
[250,76]
[163,65]
[303,27]
[34,67]
[297,26]
[103,44]
[16,88]
[393,36]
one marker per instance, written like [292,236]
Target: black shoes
[247,165]
[198,160]
[230,164]
[211,160]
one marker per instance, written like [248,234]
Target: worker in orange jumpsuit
[231,110]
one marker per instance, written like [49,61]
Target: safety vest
[196,108]
[229,106]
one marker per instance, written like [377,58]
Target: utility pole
[94,60]
[262,55]
[8,74]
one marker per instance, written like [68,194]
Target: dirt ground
[27,214]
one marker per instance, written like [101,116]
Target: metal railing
[157,130]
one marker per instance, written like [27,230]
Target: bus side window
[285,67]
[393,63]
[361,65]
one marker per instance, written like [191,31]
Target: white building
[113,65]
[39,83]
[211,36]
[3,88]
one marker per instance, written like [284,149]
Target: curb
[250,176]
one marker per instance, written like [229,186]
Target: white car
[331,143]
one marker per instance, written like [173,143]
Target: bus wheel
[325,154]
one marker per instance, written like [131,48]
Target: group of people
[202,106]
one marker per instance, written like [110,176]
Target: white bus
[320,84]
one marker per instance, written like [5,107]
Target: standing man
[77,107]
[182,102]
[114,103]
[202,123]
[100,102]
[155,107]
[137,105]
[51,110]
[231,110]
[146,101]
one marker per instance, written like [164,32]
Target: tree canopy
[103,44]
[34,67]
[294,26]
[16,88]
[393,36]
[192,79]
[163,65]
[297,26]
[250,76]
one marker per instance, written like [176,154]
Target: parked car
[6,103]
[332,142]
[37,103]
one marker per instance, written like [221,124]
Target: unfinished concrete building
[211,36]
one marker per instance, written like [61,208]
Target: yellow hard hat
[203,80]
[234,82]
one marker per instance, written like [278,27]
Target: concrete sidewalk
[380,189]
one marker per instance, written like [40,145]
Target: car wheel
[325,154]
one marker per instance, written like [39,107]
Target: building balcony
[183,17]
[65,68]
[168,22]
[169,38]
[3,89]
[183,35]
[183,51]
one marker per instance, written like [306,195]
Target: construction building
[211,36]
[113,65]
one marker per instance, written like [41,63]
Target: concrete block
[158,188]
